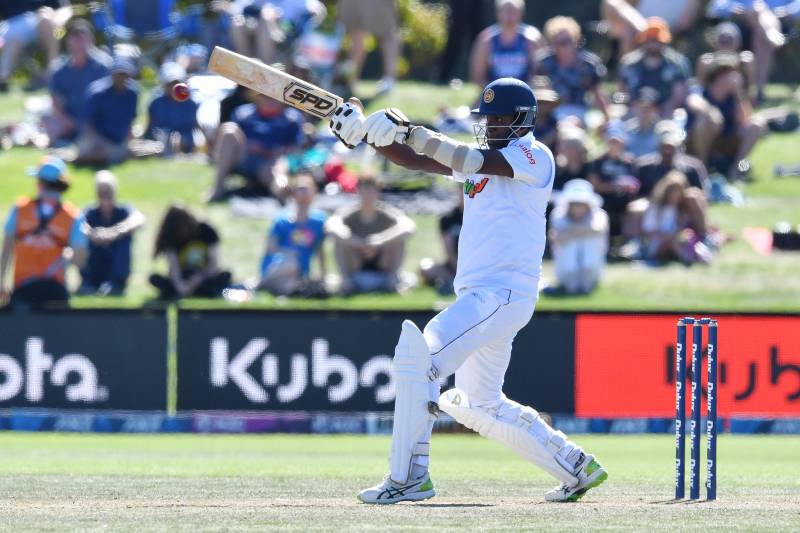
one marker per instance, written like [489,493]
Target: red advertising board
[625,365]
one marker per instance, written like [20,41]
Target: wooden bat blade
[272,82]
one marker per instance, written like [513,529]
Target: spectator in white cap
[110,111]
[110,226]
[727,37]
[579,237]
[613,176]
[169,120]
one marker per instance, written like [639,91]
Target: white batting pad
[517,427]
[413,417]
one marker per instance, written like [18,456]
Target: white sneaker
[590,475]
[390,492]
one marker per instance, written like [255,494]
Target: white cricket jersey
[503,233]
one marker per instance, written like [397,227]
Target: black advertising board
[99,359]
[340,361]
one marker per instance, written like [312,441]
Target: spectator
[505,49]
[573,70]
[670,156]
[626,19]
[613,177]
[726,38]
[295,238]
[762,27]
[370,241]
[23,24]
[110,111]
[441,275]
[256,28]
[69,82]
[725,140]
[192,251]
[43,236]
[546,124]
[654,64]
[572,159]
[254,145]
[674,224]
[579,235]
[110,227]
[169,120]
[641,127]
[378,17]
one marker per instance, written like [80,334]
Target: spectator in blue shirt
[169,120]
[110,111]
[295,238]
[254,144]
[70,78]
[110,227]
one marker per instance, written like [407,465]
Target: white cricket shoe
[590,474]
[390,492]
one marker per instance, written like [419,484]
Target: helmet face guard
[525,119]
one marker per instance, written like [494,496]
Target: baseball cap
[52,170]
[123,65]
[727,29]
[670,133]
[647,95]
[516,3]
[615,131]
[658,29]
[79,25]
[171,71]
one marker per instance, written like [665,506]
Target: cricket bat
[274,83]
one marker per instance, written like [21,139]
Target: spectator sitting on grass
[192,251]
[579,235]
[724,142]
[573,70]
[254,145]
[655,64]
[613,176]
[572,159]
[111,227]
[295,238]
[169,120]
[727,38]
[641,127]
[110,111]
[43,235]
[70,80]
[441,275]
[370,241]
[674,224]
[670,156]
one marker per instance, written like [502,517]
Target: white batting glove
[387,126]
[347,124]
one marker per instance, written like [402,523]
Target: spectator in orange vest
[43,235]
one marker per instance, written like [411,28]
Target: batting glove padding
[387,126]
[348,124]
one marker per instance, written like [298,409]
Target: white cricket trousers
[473,338]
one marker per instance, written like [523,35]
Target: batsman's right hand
[347,123]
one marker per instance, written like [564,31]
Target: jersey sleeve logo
[528,154]
[471,188]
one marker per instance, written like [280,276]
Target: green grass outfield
[738,280]
[174,483]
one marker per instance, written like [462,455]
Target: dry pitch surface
[60,482]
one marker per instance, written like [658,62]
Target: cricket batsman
[507,181]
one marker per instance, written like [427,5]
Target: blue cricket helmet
[507,96]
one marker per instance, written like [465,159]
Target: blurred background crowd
[652,109]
